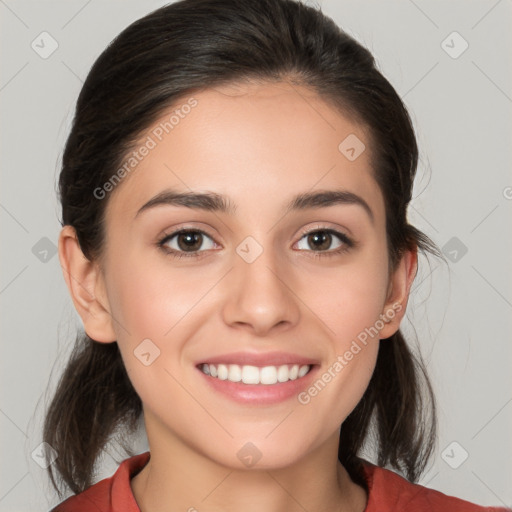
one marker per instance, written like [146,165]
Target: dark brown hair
[161,58]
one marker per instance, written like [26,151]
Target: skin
[260,144]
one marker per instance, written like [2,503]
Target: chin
[259,453]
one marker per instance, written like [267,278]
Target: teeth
[303,370]
[254,375]
[268,375]
[235,373]
[283,373]
[222,371]
[250,375]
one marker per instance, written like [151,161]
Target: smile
[248,374]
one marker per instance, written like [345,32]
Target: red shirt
[388,492]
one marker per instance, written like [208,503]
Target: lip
[260,394]
[258,359]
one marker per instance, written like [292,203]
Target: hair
[193,45]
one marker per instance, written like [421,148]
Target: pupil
[319,235]
[193,238]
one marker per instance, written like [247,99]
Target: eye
[186,244]
[321,240]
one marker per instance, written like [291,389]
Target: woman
[234,195]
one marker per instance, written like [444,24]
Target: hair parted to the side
[157,61]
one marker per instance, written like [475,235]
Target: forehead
[253,142]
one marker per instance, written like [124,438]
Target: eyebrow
[214,202]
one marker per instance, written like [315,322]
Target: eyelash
[348,243]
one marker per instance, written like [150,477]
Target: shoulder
[388,491]
[111,494]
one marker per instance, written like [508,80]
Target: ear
[398,293]
[86,286]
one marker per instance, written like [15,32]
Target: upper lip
[261,360]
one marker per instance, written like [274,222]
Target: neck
[178,478]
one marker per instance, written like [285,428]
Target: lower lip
[260,394]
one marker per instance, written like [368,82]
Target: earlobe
[86,287]
[398,293]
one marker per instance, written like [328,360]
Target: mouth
[255,375]
[258,379]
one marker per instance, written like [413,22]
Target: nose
[260,296]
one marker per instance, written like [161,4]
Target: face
[266,289]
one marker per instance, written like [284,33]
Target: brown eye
[185,241]
[322,240]
[190,241]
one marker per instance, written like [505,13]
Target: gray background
[461,106]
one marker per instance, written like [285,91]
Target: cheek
[348,299]
[346,372]
[150,312]
[342,385]
[148,303]
[351,302]
[155,314]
